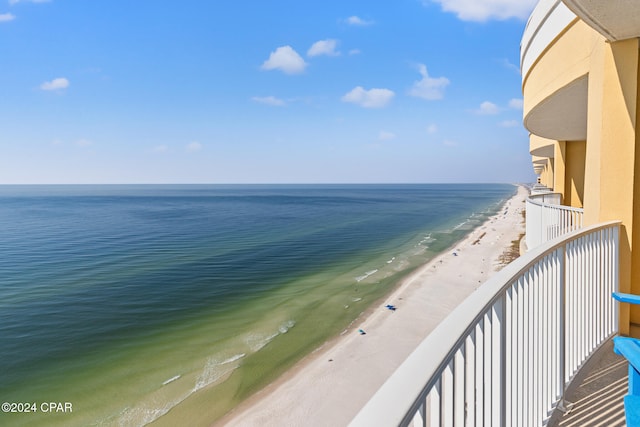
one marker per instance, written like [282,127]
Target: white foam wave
[172,379]
[284,328]
[365,275]
[233,358]
[462,224]
[215,369]
[256,341]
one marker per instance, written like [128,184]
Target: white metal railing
[548,219]
[506,354]
[541,189]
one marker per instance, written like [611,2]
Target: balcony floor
[597,393]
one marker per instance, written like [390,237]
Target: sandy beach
[330,386]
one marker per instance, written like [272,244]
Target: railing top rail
[533,199]
[543,195]
[389,406]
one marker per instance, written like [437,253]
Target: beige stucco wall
[575,153]
[564,61]
[602,174]
[611,171]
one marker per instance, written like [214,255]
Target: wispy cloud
[509,123]
[487,108]
[324,47]
[386,136]
[507,64]
[355,52]
[485,10]
[55,84]
[372,98]
[357,21]
[269,100]
[429,87]
[193,147]
[285,59]
[449,143]
[162,148]
[516,103]
[432,128]
[6,17]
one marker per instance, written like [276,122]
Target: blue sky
[277,91]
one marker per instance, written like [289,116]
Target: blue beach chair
[630,349]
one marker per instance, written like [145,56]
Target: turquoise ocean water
[136,304]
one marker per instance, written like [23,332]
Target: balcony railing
[505,355]
[548,219]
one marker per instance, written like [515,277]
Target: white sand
[330,386]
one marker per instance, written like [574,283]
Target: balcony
[548,219]
[554,60]
[508,353]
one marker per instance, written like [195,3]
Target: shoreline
[330,385]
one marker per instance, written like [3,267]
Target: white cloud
[488,108]
[163,148]
[6,17]
[449,143]
[507,64]
[372,98]
[516,103]
[269,100]
[357,21]
[509,123]
[55,84]
[194,146]
[484,10]
[429,88]
[324,47]
[355,52]
[285,59]
[386,136]
[432,128]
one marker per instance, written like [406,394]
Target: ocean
[120,303]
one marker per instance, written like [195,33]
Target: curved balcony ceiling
[545,152]
[542,161]
[617,20]
[563,115]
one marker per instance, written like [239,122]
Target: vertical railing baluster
[508,355]
[446,416]
[488,374]
[565,274]
[470,379]
[519,380]
[479,386]
[535,341]
[435,404]
[497,362]
[459,386]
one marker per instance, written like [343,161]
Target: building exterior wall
[564,61]
[601,172]
[575,155]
